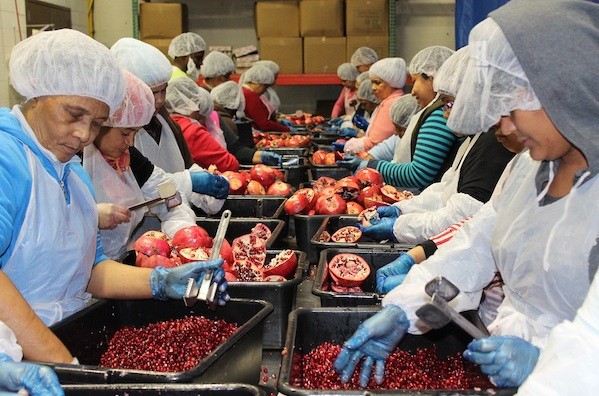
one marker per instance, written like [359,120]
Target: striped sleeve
[434,142]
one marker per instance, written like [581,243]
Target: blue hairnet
[186,44]
[143,60]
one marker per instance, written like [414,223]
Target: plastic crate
[305,227]
[288,151]
[267,207]
[329,298]
[310,327]
[87,332]
[162,390]
[243,225]
[334,172]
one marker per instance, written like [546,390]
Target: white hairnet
[347,72]
[186,44]
[136,108]
[259,75]
[403,109]
[184,96]
[451,73]
[364,56]
[228,95]
[429,60]
[364,76]
[217,64]
[494,83]
[143,60]
[66,62]
[390,70]
[365,92]
[273,66]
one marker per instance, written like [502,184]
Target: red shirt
[257,111]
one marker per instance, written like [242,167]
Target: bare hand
[111,215]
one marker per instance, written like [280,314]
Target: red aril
[348,270]
[347,234]
[150,246]
[369,177]
[354,208]
[255,188]
[279,188]
[247,271]
[191,236]
[249,248]
[283,264]
[262,231]
[330,205]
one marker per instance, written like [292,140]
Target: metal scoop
[167,192]
[291,162]
[437,313]
[207,289]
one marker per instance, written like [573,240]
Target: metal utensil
[291,162]
[207,289]
[437,313]
[167,192]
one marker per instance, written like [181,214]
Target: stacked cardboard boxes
[159,23]
[367,25]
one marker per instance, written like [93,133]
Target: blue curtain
[470,12]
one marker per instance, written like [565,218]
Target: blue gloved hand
[36,379]
[388,211]
[393,274]
[507,360]
[379,229]
[270,158]
[287,122]
[336,121]
[348,132]
[292,129]
[360,121]
[338,146]
[209,184]
[172,282]
[352,163]
[376,338]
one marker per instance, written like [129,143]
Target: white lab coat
[8,343]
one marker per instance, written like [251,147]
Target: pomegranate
[342,289]
[392,194]
[300,202]
[348,188]
[369,177]
[247,271]
[366,215]
[322,182]
[263,174]
[255,188]
[347,234]
[192,236]
[150,246]
[157,234]
[190,254]
[324,237]
[279,188]
[354,208]
[348,270]
[249,248]
[237,183]
[330,205]
[262,231]
[329,190]
[156,261]
[330,159]
[283,264]
[372,193]
[318,157]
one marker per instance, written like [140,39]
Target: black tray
[243,225]
[288,151]
[86,333]
[257,206]
[310,327]
[280,294]
[329,298]
[162,390]
[334,172]
[305,227]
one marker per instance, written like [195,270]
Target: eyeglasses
[447,106]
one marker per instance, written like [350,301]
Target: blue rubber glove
[36,379]
[172,282]
[287,122]
[379,229]
[292,129]
[270,158]
[507,360]
[338,146]
[375,339]
[348,132]
[352,163]
[360,122]
[393,274]
[336,121]
[209,184]
[388,211]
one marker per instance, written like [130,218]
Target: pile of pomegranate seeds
[420,371]
[174,345]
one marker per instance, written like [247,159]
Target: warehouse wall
[112,20]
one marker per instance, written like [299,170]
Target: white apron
[269,106]
[111,188]
[542,253]
[451,188]
[165,155]
[54,253]
[403,150]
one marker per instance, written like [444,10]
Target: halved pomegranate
[322,182]
[371,193]
[157,234]
[250,248]
[324,237]
[280,189]
[369,177]
[354,208]
[194,254]
[300,202]
[366,215]
[237,182]
[247,271]
[262,231]
[283,264]
[348,270]
[392,194]
[348,188]
[347,234]
[342,289]
[263,174]
[255,188]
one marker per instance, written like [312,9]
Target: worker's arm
[110,279]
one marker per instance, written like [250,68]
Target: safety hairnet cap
[136,108]
[403,109]
[390,70]
[494,83]
[364,56]
[143,60]
[66,62]
[364,76]
[184,96]
[365,92]
[228,95]
[273,66]
[451,73]
[217,64]
[347,72]
[186,44]
[259,75]
[429,60]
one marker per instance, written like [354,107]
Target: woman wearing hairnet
[52,259]
[270,98]
[543,236]
[216,69]
[348,74]
[363,58]
[190,106]
[388,76]
[187,52]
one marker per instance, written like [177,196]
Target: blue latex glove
[379,229]
[287,122]
[336,121]
[292,129]
[338,146]
[360,122]
[388,211]
[507,360]
[209,184]
[376,338]
[36,379]
[270,158]
[352,163]
[393,274]
[348,132]
[172,282]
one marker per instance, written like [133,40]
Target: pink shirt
[342,105]
[381,126]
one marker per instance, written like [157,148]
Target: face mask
[192,70]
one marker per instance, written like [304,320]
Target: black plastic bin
[305,227]
[310,327]
[288,151]
[266,206]
[329,298]
[280,294]
[334,172]
[162,390]
[87,332]
[243,225]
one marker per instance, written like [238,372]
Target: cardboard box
[367,17]
[285,51]
[277,19]
[378,43]
[162,20]
[323,54]
[242,51]
[160,43]
[320,18]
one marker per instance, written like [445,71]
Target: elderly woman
[255,81]
[363,58]
[216,69]
[52,261]
[187,51]
[343,106]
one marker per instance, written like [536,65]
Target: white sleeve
[208,204]
[8,343]
[431,198]
[466,261]
[385,150]
[418,227]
